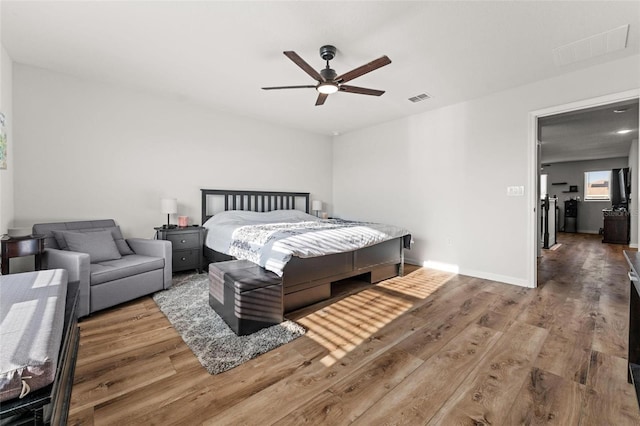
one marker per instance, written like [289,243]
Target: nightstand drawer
[186,246]
[186,259]
[184,240]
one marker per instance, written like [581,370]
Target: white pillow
[239,217]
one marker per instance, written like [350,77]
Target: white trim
[454,269]
[412,261]
[633,245]
[588,103]
[495,277]
[441,266]
[533,202]
[532,154]
[588,231]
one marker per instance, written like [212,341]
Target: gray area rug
[186,305]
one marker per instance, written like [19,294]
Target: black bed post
[203,206]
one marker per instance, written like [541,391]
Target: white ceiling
[220,54]
[590,133]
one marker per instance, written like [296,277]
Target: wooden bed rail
[257,201]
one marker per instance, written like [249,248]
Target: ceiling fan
[328,80]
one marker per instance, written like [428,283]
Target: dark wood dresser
[616,227]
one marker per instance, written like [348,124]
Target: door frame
[534,168]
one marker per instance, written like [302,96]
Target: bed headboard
[217,200]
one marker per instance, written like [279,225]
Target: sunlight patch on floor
[349,322]
[419,284]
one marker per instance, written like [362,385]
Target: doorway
[535,163]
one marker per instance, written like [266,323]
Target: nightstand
[186,245]
[22,246]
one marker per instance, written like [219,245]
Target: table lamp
[168,206]
[316,206]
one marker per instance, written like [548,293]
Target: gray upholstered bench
[245,295]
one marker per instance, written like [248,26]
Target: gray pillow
[122,245]
[99,244]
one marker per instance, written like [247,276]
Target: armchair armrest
[155,248]
[77,267]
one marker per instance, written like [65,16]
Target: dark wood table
[22,246]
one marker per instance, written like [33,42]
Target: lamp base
[167,226]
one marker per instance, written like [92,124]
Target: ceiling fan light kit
[327,88]
[328,81]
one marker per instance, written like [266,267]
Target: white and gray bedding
[32,308]
[270,239]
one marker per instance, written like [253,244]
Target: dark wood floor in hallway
[428,348]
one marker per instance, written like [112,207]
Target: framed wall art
[3,142]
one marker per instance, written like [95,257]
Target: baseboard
[588,231]
[447,267]
[411,261]
[633,245]
[520,282]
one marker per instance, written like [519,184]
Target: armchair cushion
[99,245]
[125,267]
[122,245]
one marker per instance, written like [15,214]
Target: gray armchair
[110,270]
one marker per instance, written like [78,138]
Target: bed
[306,275]
[39,336]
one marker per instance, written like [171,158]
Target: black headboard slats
[263,201]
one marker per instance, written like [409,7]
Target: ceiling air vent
[420,97]
[596,45]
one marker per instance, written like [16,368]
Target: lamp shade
[169,206]
[316,205]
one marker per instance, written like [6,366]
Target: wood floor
[429,348]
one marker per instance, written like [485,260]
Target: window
[543,186]
[597,185]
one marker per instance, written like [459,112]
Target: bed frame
[306,281]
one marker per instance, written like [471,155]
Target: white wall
[86,150]
[443,174]
[590,218]
[6,175]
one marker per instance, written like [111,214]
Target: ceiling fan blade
[302,64]
[361,90]
[289,87]
[371,66]
[321,98]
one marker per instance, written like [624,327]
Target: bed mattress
[32,306]
[270,239]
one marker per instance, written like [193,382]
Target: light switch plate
[515,191]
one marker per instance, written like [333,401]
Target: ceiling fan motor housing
[328,52]
[328,74]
